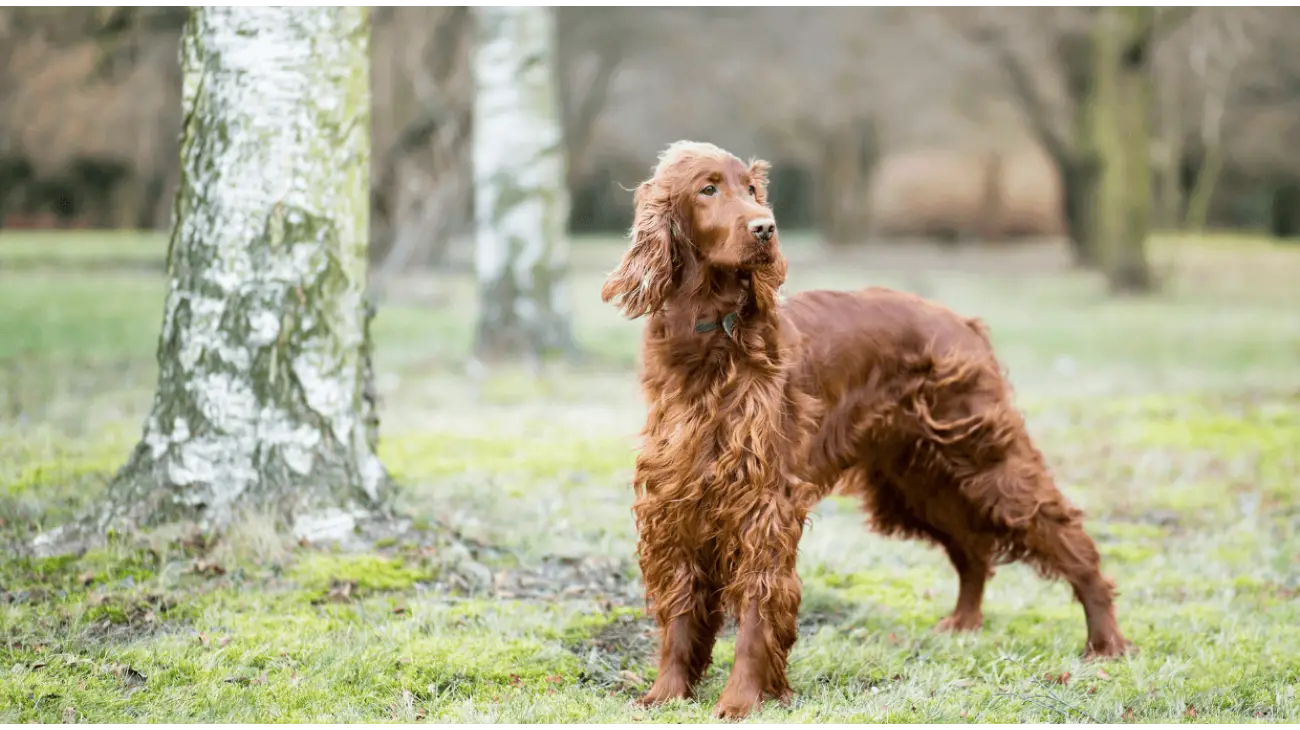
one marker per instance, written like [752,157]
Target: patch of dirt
[614,655]
[600,578]
[464,567]
[812,620]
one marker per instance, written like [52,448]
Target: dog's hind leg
[1019,497]
[973,560]
[971,553]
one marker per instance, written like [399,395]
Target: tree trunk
[1168,152]
[1198,203]
[520,199]
[1079,179]
[989,227]
[1079,163]
[1284,213]
[1122,115]
[849,155]
[263,399]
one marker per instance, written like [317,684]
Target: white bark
[521,203]
[263,394]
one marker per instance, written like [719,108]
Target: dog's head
[701,216]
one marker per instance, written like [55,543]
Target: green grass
[1175,421]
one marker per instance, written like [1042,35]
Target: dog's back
[847,338]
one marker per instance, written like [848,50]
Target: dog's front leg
[766,595]
[687,606]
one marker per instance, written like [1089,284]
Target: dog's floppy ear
[644,277]
[758,170]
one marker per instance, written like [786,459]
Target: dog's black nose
[763,229]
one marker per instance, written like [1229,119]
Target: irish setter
[759,407]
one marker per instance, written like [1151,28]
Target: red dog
[758,408]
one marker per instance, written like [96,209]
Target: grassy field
[1174,420]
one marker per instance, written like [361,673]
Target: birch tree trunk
[264,399]
[521,203]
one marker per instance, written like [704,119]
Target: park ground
[1173,420]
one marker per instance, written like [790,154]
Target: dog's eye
[752,191]
[709,190]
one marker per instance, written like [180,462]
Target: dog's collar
[728,324]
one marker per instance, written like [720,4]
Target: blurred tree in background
[959,124]
[521,204]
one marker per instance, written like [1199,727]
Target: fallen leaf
[630,678]
[86,578]
[1128,713]
[963,713]
[1191,711]
[515,680]
[203,639]
[555,679]
[399,610]
[1062,678]
[38,664]
[223,641]
[340,592]
[1101,674]
[69,715]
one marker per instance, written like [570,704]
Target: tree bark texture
[263,399]
[520,200]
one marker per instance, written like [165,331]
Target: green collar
[728,325]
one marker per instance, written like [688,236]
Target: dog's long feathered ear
[758,176]
[643,279]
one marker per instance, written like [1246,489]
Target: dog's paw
[735,708]
[664,691]
[1112,648]
[783,697]
[960,622]
[739,698]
